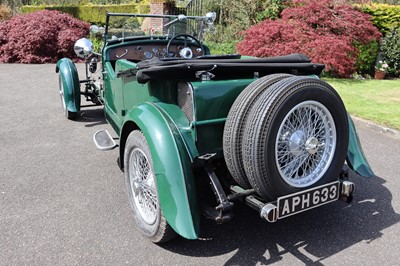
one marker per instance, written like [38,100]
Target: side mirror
[83,48]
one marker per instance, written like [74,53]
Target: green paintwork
[121,93]
[164,91]
[172,166]
[124,92]
[71,85]
[179,120]
[113,97]
[355,155]
[213,99]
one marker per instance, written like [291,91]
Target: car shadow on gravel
[310,237]
[92,116]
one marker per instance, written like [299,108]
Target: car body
[198,132]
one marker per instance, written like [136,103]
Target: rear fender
[172,167]
[355,156]
[71,84]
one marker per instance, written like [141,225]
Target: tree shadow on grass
[310,237]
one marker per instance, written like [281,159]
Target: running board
[104,141]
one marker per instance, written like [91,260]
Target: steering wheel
[185,52]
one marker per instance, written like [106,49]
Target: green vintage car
[199,132]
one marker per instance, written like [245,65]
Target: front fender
[355,155]
[71,84]
[172,167]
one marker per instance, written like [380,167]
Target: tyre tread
[235,123]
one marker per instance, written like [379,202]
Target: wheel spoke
[293,166]
[305,144]
[143,186]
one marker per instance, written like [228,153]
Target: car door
[113,97]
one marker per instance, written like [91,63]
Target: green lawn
[374,100]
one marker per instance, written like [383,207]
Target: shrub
[40,37]
[221,48]
[271,9]
[5,12]
[385,17]
[325,32]
[391,51]
[98,40]
[366,58]
[233,17]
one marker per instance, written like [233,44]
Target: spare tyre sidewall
[336,108]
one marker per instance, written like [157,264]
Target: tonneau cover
[291,58]
[190,69]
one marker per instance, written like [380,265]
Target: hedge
[94,14]
[385,17]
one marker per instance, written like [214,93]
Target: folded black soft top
[291,58]
[192,69]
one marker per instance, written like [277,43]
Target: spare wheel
[295,137]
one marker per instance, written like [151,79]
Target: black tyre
[142,190]
[67,113]
[295,137]
[234,126]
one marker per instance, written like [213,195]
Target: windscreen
[125,26]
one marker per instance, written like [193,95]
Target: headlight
[83,48]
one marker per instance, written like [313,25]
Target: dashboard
[139,52]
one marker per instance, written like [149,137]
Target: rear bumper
[302,201]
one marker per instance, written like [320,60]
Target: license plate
[307,199]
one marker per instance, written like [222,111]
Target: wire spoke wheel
[62,94]
[143,186]
[68,114]
[305,144]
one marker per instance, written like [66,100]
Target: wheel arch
[355,158]
[71,84]
[127,128]
[172,167]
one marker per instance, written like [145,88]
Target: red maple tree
[40,37]
[323,31]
